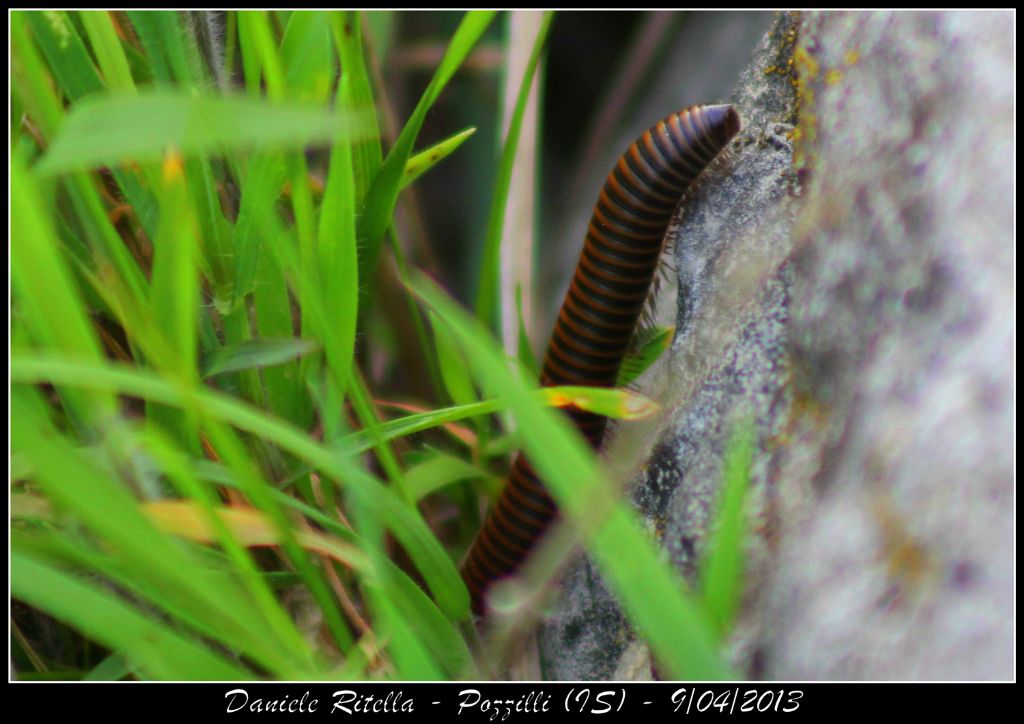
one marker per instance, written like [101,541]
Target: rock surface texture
[846,280]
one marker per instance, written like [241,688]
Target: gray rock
[729,245]
[865,319]
[895,552]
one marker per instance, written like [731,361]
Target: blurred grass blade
[250,527]
[75,73]
[722,570]
[174,289]
[102,615]
[45,294]
[260,56]
[524,352]
[110,129]
[411,656]
[103,38]
[113,668]
[366,154]
[154,29]
[436,632]
[44,286]
[72,66]
[261,186]
[338,255]
[650,345]
[439,471]
[255,354]
[453,367]
[283,391]
[306,56]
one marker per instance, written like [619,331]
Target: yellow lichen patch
[787,41]
[851,57]
[833,76]
[807,69]
[807,414]
[807,65]
[908,562]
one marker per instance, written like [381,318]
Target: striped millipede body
[613,278]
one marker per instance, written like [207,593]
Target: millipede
[620,257]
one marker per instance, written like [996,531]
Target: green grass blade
[490,273]
[107,130]
[722,570]
[426,160]
[170,48]
[649,347]
[65,52]
[259,54]
[383,192]
[524,353]
[614,403]
[306,56]
[68,549]
[150,27]
[423,618]
[453,367]
[367,155]
[30,80]
[255,354]
[285,395]
[107,46]
[412,658]
[440,471]
[261,185]
[45,294]
[418,422]
[214,230]
[338,257]
[362,404]
[174,289]
[179,471]
[113,668]
[308,65]
[41,278]
[149,642]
